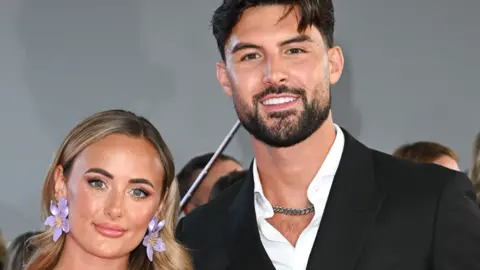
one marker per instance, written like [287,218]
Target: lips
[278,100]
[281,96]
[110,230]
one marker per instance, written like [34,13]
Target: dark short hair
[318,13]
[3,252]
[226,181]
[20,251]
[185,176]
[424,151]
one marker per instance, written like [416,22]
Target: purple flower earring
[151,240]
[59,218]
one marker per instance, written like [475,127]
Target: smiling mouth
[278,100]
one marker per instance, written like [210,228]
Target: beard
[290,126]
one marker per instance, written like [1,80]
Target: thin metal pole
[202,174]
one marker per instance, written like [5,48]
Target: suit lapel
[351,209]
[245,247]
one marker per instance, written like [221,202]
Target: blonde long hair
[474,172]
[88,131]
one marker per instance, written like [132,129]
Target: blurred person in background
[222,166]
[20,251]
[3,251]
[226,181]
[429,152]
[474,172]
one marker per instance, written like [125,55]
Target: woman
[109,199]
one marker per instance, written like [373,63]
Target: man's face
[278,78]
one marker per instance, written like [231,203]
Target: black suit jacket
[382,213]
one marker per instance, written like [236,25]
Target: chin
[107,248]
[109,251]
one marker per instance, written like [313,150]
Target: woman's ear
[60,183]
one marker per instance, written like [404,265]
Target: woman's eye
[138,193]
[96,183]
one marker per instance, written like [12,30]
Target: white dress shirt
[284,255]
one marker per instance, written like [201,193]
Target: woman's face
[113,190]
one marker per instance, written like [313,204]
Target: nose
[114,205]
[275,72]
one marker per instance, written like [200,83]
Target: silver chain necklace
[293,211]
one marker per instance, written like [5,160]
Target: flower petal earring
[59,218]
[152,241]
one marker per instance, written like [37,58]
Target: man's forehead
[265,19]
[276,38]
[262,24]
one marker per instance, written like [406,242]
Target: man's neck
[286,173]
[76,258]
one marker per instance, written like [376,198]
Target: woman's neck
[74,257]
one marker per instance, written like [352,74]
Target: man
[429,152]
[222,166]
[314,197]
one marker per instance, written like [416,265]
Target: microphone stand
[202,174]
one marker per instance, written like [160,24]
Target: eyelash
[144,193]
[246,57]
[300,50]
[92,182]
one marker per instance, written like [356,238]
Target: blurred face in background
[447,162]
[202,194]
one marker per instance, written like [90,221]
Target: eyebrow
[140,181]
[242,46]
[297,39]
[109,175]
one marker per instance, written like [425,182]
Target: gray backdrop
[411,74]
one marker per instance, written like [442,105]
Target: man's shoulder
[208,219]
[401,175]
[219,204]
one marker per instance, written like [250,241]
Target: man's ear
[336,63]
[222,77]
[60,183]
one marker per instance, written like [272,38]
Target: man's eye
[250,56]
[295,51]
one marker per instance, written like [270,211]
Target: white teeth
[276,101]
